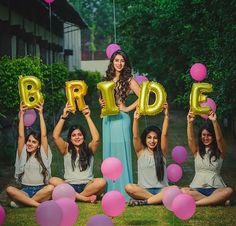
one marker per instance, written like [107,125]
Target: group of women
[34,156]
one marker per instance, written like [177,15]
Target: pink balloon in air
[209,103]
[111,49]
[198,72]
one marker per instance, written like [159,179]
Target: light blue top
[147,177]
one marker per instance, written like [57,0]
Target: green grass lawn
[148,215]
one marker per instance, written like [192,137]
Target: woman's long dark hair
[158,156]
[84,153]
[122,86]
[214,150]
[38,156]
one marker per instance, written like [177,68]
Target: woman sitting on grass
[151,150]
[207,187]
[32,168]
[78,157]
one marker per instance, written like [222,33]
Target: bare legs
[137,192]
[19,196]
[219,196]
[93,188]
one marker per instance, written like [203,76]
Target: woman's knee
[229,191]
[53,181]
[10,190]
[100,183]
[130,188]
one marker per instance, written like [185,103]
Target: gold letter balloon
[160,98]
[197,97]
[107,90]
[29,90]
[75,91]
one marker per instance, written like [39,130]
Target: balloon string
[50,51]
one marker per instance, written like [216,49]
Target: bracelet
[64,118]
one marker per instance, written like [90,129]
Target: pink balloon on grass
[113,203]
[2,215]
[169,196]
[63,191]
[112,168]
[209,103]
[70,211]
[49,213]
[49,1]
[111,49]
[184,206]
[179,154]
[198,72]
[29,117]
[100,220]
[140,78]
[174,172]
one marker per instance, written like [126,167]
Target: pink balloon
[209,103]
[140,78]
[100,220]
[184,206]
[2,215]
[63,191]
[198,72]
[169,195]
[49,213]
[174,172]
[179,154]
[49,1]
[111,49]
[29,117]
[70,211]
[111,168]
[113,203]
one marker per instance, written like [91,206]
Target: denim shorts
[31,190]
[206,191]
[154,191]
[78,187]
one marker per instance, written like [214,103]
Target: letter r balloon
[75,92]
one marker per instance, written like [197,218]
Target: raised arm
[136,89]
[219,137]
[165,126]
[43,130]
[93,145]
[61,144]
[21,129]
[138,147]
[190,133]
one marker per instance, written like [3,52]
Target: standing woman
[116,128]
[151,149]
[32,167]
[78,157]
[207,187]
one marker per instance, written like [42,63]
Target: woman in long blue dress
[116,128]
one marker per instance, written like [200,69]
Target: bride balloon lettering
[147,88]
[197,97]
[76,90]
[30,90]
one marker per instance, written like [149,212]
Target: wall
[95,65]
